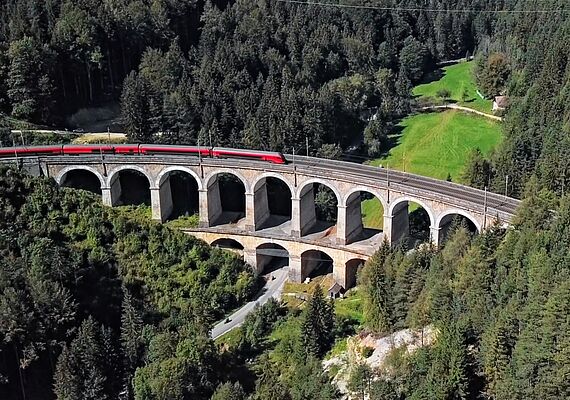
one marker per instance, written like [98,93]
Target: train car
[23,151]
[270,156]
[127,148]
[78,149]
[174,150]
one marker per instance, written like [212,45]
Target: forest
[101,303]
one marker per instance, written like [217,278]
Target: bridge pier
[349,221]
[213,202]
[257,206]
[295,269]
[161,201]
[397,226]
[306,210]
[436,234]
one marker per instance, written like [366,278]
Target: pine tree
[131,327]
[229,391]
[317,324]
[66,382]
[135,109]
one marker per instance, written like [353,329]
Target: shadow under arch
[83,179]
[411,221]
[226,198]
[272,196]
[270,257]
[318,208]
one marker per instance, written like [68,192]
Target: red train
[141,149]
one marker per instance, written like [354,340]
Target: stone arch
[398,218]
[91,180]
[444,222]
[166,171]
[226,209]
[112,175]
[123,191]
[271,256]
[315,261]
[355,227]
[272,201]
[322,182]
[308,215]
[179,189]
[94,171]
[359,189]
[276,176]
[227,243]
[220,171]
[457,211]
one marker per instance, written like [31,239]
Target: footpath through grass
[438,144]
[458,80]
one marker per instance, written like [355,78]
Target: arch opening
[226,199]
[411,224]
[228,244]
[130,187]
[81,179]
[364,216]
[314,264]
[318,210]
[451,222]
[270,257]
[272,203]
[352,268]
[184,194]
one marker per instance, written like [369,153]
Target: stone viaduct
[293,234]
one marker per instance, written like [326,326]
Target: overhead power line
[429,10]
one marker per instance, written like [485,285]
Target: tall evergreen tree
[317,324]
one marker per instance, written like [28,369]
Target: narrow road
[272,288]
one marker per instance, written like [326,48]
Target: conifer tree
[317,324]
[135,109]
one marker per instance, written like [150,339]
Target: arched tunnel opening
[410,224]
[226,199]
[81,179]
[315,263]
[228,244]
[272,201]
[184,192]
[451,222]
[364,216]
[132,188]
[271,257]
[318,210]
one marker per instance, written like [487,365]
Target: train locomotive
[141,149]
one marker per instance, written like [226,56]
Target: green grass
[457,79]
[184,222]
[435,144]
[372,214]
[350,306]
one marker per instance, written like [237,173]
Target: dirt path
[467,109]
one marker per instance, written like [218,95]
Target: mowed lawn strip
[438,144]
[457,79]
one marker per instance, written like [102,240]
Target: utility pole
[15,152]
[210,137]
[388,180]
[485,209]
[307,144]
[506,186]
[200,159]
[294,167]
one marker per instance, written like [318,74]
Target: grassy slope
[456,79]
[436,144]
